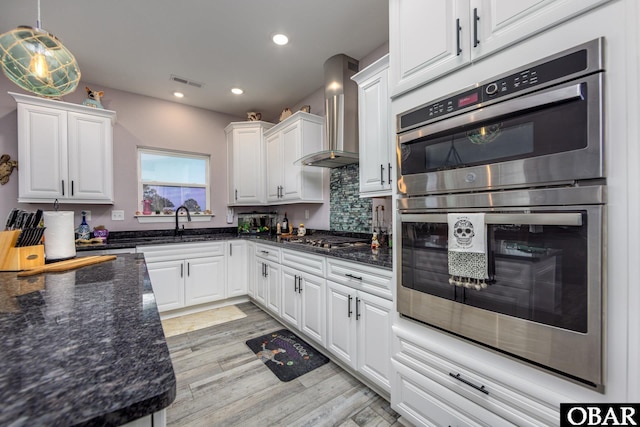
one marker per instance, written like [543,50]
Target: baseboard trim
[202,307]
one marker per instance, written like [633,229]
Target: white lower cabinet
[192,281]
[237,271]
[303,302]
[251,268]
[204,280]
[427,403]
[439,380]
[303,293]
[187,274]
[267,277]
[359,331]
[157,419]
[167,280]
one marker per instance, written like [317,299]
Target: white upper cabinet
[429,38]
[246,162]
[65,152]
[377,158]
[298,135]
[424,37]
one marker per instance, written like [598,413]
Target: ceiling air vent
[185,81]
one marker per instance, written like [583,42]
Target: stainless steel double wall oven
[526,149]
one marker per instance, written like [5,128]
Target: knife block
[15,259]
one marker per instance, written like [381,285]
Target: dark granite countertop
[382,257]
[83,347]
[122,240]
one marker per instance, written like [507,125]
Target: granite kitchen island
[83,347]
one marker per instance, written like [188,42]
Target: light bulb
[280,39]
[39,66]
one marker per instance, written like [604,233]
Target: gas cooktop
[327,241]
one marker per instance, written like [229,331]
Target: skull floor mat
[286,354]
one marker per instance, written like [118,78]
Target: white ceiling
[135,45]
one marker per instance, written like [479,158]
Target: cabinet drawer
[268,252]
[181,251]
[425,402]
[374,280]
[470,385]
[313,264]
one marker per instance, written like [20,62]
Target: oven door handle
[561,218]
[494,111]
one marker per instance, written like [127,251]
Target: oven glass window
[553,129]
[537,272]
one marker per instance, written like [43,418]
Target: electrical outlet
[117,215]
[87,215]
[306,214]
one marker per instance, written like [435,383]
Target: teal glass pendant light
[38,62]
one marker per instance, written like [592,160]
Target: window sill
[145,219]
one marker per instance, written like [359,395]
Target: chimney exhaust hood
[341,115]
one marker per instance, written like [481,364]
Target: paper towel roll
[59,235]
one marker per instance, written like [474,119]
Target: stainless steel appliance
[538,125]
[537,173]
[326,241]
[341,113]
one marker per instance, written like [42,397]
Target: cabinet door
[237,262]
[260,290]
[205,280]
[274,167]
[273,287]
[374,338]
[251,268]
[90,157]
[248,169]
[290,309]
[427,38]
[291,151]
[375,144]
[42,152]
[312,306]
[167,281]
[341,322]
[502,23]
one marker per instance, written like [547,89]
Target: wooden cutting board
[67,265]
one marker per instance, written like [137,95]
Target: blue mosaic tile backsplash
[347,211]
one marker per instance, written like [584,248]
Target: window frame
[204,215]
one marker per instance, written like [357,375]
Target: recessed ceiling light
[280,39]
[237,91]
[178,94]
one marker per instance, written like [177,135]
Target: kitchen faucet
[177,230]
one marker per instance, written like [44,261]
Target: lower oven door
[543,302]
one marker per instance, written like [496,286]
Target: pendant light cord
[38,21]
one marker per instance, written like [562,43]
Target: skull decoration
[463,232]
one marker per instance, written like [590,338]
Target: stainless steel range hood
[341,110]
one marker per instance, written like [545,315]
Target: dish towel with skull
[467,252]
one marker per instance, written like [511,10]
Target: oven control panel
[539,74]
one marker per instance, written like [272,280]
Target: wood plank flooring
[222,383]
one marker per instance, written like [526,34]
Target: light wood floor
[222,383]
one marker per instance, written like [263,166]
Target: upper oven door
[551,136]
